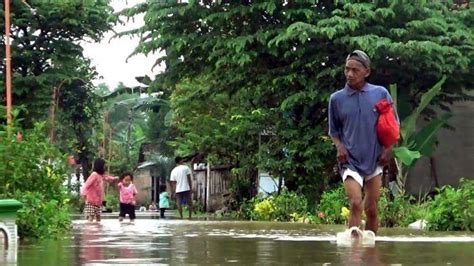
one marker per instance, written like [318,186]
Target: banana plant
[416,143]
[125,112]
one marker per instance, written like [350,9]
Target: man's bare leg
[180,207]
[190,207]
[372,196]
[354,193]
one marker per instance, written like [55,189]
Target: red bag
[388,129]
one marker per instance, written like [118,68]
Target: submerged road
[155,242]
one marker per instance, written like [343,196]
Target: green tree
[237,68]
[126,111]
[75,125]
[46,47]
[50,71]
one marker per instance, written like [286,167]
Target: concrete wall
[454,156]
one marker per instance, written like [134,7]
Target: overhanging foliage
[237,68]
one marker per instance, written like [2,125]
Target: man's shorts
[92,210]
[357,177]
[183,198]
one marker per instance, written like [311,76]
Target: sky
[110,56]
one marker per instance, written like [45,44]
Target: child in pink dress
[93,190]
[127,196]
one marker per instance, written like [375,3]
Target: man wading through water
[182,186]
[352,127]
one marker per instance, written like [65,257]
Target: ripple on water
[112,230]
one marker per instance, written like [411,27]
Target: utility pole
[8,59]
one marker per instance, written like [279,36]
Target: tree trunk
[85,167]
[434,174]
[52,112]
[129,135]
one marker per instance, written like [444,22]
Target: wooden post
[207,187]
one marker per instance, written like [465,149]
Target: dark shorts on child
[92,210]
[127,209]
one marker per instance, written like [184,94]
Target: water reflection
[91,243]
[201,242]
[359,255]
[8,254]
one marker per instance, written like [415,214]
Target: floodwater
[178,242]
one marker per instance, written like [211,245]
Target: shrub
[76,203]
[245,210]
[198,207]
[396,211]
[392,212]
[265,209]
[286,206]
[241,188]
[416,211]
[41,217]
[332,201]
[453,209]
[466,204]
[33,172]
[290,206]
[112,200]
[31,164]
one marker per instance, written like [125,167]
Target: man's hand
[385,156]
[342,155]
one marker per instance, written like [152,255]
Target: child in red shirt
[127,196]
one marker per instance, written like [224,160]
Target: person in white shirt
[181,185]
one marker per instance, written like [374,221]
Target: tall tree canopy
[51,76]
[235,69]
[46,48]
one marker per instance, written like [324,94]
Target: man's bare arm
[342,155]
[173,189]
[190,183]
[386,155]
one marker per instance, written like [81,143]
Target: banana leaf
[426,138]
[408,126]
[407,156]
